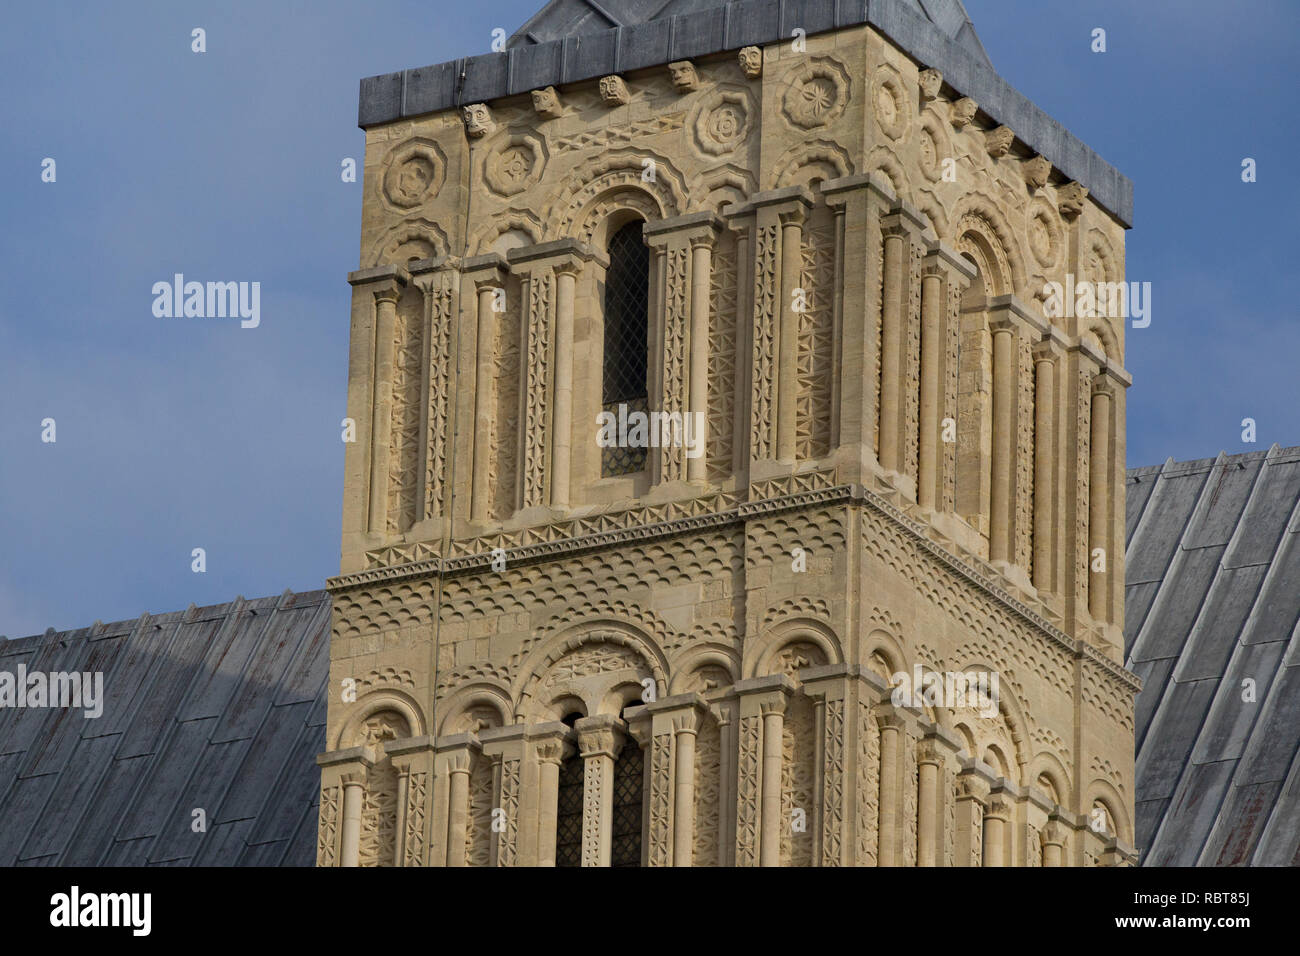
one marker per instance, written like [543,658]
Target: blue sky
[176,434]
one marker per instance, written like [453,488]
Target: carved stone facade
[905,463]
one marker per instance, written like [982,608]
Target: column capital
[903,220]
[486,270]
[434,265]
[943,260]
[1008,310]
[766,695]
[838,191]
[787,200]
[459,751]
[973,785]
[602,735]
[939,746]
[360,757]
[379,275]
[695,228]
[560,254]
[407,749]
[1050,347]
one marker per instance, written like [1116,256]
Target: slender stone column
[381,424]
[599,741]
[900,317]
[685,727]
[684,249]
[863,200]
[932,314]
[1004,440]
[758,800]
[458,761]
[340,823]
[552,272]
[413,760]
[550,755]
[353,795]
[972,794]
[828,687]
[723,713]
[891,351]
[928,801]
[697,409]
[787,373]
[996,819]
[1054,844]
[773,732]
[506,747]
[777,271]
[1099,494]
[1044,465]
[488,274]
[566,279]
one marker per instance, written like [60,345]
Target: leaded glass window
[627,296]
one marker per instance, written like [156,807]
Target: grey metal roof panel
[1190,816]
[1217,775]
[120,789]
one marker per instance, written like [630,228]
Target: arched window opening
[627,296]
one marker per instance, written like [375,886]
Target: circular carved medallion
[413,174]
[818,94]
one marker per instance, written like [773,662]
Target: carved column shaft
[932,312]
[1044,468]
[599,741]
[773,732]
[566,278]
[484,392]
[891,353]
[697,408]
[1004,442]
[862,200]
[788,338]
[381,425]
[353,796]
[1099,505]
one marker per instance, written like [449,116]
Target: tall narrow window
[627,292]
[629,804]
[568,815]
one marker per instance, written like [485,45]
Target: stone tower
[817,239]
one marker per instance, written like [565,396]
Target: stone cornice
[965,568]
[519,70]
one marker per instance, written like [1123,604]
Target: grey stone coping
[520,69]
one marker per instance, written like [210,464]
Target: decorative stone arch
[377,702]
[696,664]
[1049,765]
[882,647]
[885,164]
[931,206]
[615,183]
[722,186]
[511,229]
[1011,713]
[809,163]
[1101,336]
[933,143]
[1103,791]
[476,704]
[979,230]
[408,242]
[817,636]
[538,679]
[1101,258]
